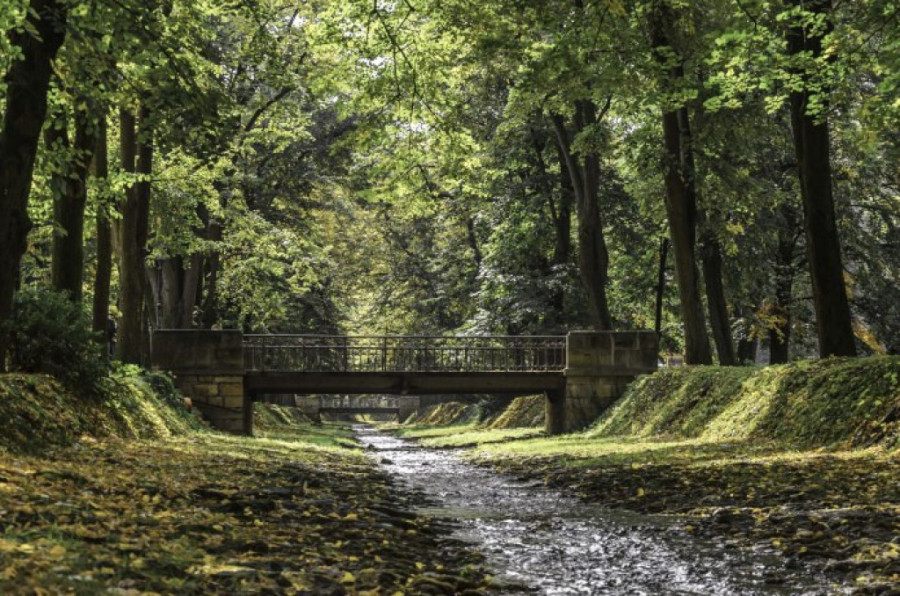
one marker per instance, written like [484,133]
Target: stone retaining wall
[209,368]
[599,366]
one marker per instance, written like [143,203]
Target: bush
[51,334]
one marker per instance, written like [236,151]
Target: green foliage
[51,334]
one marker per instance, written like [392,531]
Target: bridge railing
[396,353]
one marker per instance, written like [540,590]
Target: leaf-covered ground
[216,514]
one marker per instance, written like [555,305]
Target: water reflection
[555,544]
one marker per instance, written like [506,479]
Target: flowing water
[539,540]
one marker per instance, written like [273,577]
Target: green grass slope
[835,402]
[525,411]
[37,412]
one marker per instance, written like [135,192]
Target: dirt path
[217,515]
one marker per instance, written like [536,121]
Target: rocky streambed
[537,539]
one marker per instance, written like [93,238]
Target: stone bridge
[581,373]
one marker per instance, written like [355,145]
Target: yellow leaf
[7,546]
[348,578]
[57,551]
[351,516]
[641,492]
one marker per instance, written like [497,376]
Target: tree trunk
[562,248]
[746,350]
[103,277]
[142,192]
[27,82]
[69,199]
[661,284]
[812,145]
[780,334]
[711,260]
[593,258]
[210,295]
[130,260]
[681,203]
[178,293]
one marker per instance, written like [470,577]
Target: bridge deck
[401,383]
[358,410]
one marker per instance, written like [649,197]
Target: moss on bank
[524,412]
[835,402]
[37,412]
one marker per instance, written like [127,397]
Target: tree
[27,82]
[812,142]
[69,185]
[681,192]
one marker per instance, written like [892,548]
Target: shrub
[51,334]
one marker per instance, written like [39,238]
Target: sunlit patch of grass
[425,432]
[834,402]
[476,436]
[322,435]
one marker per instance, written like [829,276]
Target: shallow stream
[539,540]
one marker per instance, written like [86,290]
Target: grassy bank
[38,413]
[133,494]
[801,459]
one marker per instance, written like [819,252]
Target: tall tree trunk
[780,334]
[813,148]
[681,200]
[660,284]
[711,260]
[562,248]
[142,192]
[69,199]
[27,81]
[129,257]
[593,258]
[100,310]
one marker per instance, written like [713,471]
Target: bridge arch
[581,373]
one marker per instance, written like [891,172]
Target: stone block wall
[599,366]
[209,368]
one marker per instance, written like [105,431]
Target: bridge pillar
[599,366]
[209,368]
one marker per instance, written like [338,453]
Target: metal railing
[404,353]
